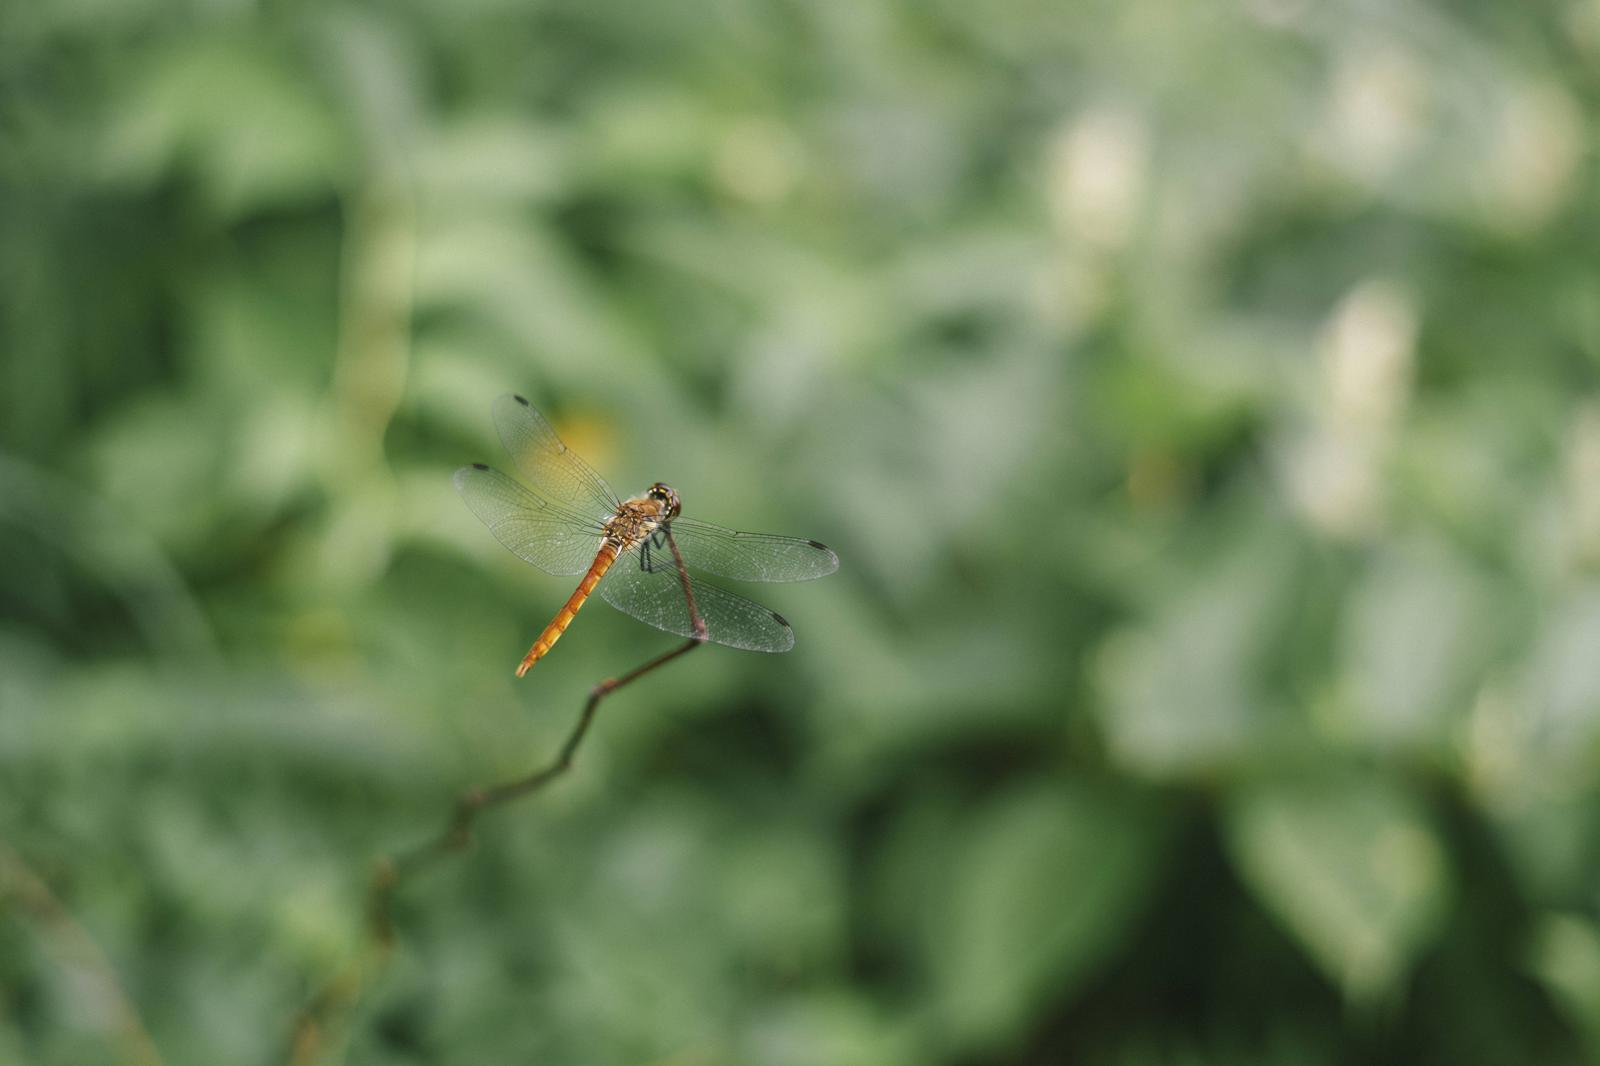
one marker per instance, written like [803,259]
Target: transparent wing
[552,538]
[637,585]
[751,556]
[555,470]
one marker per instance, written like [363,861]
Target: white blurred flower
[1581,460]
[1099,166]
[1334,466]
[1366,354]
[1378,103]
[1537,144]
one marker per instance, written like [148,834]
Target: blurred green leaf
[1185,689]
[251,124]
[1195,393]
[833,1029]
[1351,866]
[1565,955]
[1563,683]
[1041,883]
[1420,628]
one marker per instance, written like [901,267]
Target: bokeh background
[1204,400]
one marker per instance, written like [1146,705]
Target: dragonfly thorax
[637,518]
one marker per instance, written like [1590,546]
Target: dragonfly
[568,521]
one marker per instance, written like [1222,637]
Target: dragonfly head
[667,496]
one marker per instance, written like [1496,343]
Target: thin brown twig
[322,1022]
[75,950]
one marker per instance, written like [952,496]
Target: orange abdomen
[558,625]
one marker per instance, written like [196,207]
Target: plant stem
[324,1018]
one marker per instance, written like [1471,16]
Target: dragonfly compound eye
[668,498]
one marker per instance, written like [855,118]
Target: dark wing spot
[781,620]
[479,466]
[520,400]
[817,544]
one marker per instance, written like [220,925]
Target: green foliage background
[1204,401]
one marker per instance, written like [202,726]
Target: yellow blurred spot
[593,439]
[319,642]
[1154,479]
